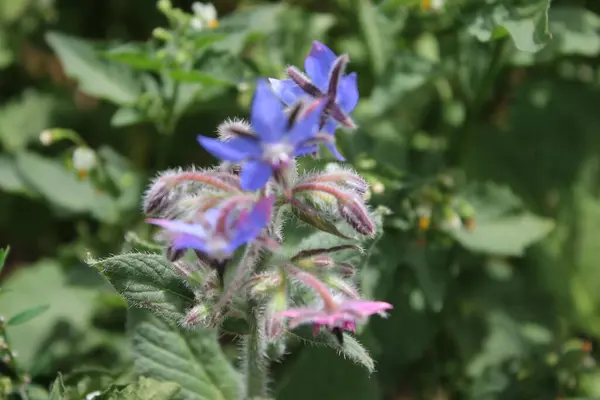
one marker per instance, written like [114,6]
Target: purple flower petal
[347,96]
[179,227]
[255,222]
[234,150]
[255,175]
[286,90]
[334,151]
[306,128]
[185,241]
[318,64]
[267,117]
[305,150]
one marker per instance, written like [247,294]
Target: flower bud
[356,214]
[274,327]
[264,283]
[198,315]
[348,270]
[84,159]
[162,34]
[159,198]
[46,137]
[233,128]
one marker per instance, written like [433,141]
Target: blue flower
[326,80]
[276,142]
[221,230]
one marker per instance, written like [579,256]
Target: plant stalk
[255,365]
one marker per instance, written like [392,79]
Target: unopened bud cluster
[222,227]
[437,207]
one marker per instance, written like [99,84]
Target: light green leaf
[22,120]
[58,389]
[45,282]
[10,180]
[508,236]
[144,389]
[126,116]
[27,315]
[199,77]
[147,281]
[574,31]
[370,24]
[192,359]
[526,25]
[95,76]
[62,188]
[134,55]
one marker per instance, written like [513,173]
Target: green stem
[12,361]
[167,127]
[255,363]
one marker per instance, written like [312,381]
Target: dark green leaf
[147,281]
[3,255]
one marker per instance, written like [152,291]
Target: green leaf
[58,390]
[526,25]
[320,373]
[10,180]
[144,389]
[370,24]
[27,315]
[22,120]
[62,188]
[147,281]
[126,116]
[431,269]
[508,236]
[95,76]
[70,305]
[199,77]
[3,255]
[134,55]
[192,359]
[575,31]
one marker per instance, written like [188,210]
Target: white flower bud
[84,159]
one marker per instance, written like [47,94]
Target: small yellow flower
[424,223]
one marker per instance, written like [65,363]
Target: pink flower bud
[356,214]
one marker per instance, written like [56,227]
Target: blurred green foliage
[478,130]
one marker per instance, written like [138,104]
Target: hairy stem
[255,362]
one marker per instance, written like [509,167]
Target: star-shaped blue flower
[326,80]
[214,237]
[276,142]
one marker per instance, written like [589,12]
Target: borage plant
[240,267]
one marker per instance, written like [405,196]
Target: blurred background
[479,129]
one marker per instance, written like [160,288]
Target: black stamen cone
[339,335]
